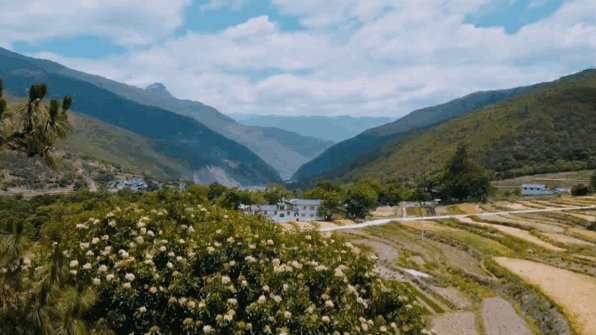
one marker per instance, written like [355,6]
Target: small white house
[289,210]
[540,189]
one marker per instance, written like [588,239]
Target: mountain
[338,159]
[549,128]
[331,128]
[271,146]
[210,155]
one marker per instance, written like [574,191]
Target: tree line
[460,180]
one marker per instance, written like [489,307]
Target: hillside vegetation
[179,136]
[271,146]
[549,129]
[338,159]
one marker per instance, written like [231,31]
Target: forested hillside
[338,159]
[178,136]
[552,128]
[271,146]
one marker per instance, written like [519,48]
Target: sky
[310,57]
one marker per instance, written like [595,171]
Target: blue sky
[318,57]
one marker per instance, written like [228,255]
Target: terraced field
[461,266]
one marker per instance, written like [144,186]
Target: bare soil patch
[458,323]
[455,298]
[588,234]
[511,219]
[514,232]
[564,239]
[575,293]
[500,318]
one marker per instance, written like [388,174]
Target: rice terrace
[524,266]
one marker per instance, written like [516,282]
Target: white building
[540,189]
[289,210]
[134,184]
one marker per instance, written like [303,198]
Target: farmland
[468,269]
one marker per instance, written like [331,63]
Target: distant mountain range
[330,128]
[215,147]
[539,128]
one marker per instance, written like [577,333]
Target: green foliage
[35,129]
[274,192]
[593,182]
[463,179]
[215,191]
[548,129]
[580,190]
[167,262]
[392,193]
[360,199]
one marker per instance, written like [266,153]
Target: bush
[580,190]
[163,264]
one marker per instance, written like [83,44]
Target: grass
[415,211]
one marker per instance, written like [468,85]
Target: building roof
[263,207]
[305,202]
[534,185]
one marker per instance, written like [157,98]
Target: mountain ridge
[283,156]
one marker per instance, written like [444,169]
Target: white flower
[232,301]
[250,259]
[140,224]
[142,309]
[73,272]
[325,318]
[84,245]
[126,285]
[105,237]
[225,280]
[112,223]
[87,266]
[210,250]
[81,226]
[150,233]
[181,241]
[140,240]
[143,231]
[207,329]
[170,265]
[96,281]
[287,315]
[102,268]
[270,242]
[153,289]
[262,299]
[308,237]
[132,245]
[329,304]
[89,253]
[162,248]
[74,263]
[94,240]
[110,277]
[123,253]
[129,277]
[276,298]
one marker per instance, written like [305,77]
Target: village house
[540,189]
[288,210]
[134,184]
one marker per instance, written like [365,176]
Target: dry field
[575,293]
[449,263]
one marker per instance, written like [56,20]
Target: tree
[593,182]
[215,190]
[35,128]
[360,199]
[331,196]
[579,190]
[274,192]
[393,192]
[463,179]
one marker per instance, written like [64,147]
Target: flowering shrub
[190,269]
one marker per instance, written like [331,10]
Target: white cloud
[217,4]
[386,58]
[125,22]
